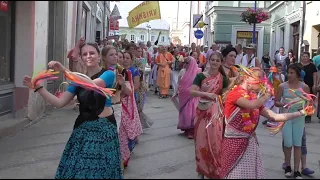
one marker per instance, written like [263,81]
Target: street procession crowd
[219,92]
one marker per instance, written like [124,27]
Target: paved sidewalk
[162,153]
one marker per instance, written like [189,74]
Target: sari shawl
[187,103]
[130,126]
[209,130]
[240,127]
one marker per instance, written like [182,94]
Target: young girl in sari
[208,133]
[241,157]
[130,126]
[187,103]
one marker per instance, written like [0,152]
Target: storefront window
[5,43]
[245,37]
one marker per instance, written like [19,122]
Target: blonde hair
[104,53]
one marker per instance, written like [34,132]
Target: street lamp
[148,27]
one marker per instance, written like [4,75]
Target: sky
[167,8]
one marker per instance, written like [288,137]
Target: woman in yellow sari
[164,61]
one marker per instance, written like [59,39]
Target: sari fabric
[130,127]
[208,137]
[241,157]
[187,103]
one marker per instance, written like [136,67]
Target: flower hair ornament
[265,86]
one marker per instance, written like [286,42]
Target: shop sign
[246,34]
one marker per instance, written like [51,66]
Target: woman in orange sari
[208,128]
[164,61]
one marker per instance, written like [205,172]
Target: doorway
[295,37]
[56,38]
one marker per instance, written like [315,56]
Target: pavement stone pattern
[162,153]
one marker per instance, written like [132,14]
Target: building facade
[31,38]
[224,25]
[34,33]
[286,29]
[146,31]
[312,26]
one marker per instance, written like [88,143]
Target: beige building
[312,26]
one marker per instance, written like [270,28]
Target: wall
[283,14]
[312,19]
[24,53]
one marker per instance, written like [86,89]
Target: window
[162,38]
[132,38]
[84,23]
[247,4]
[142,37]
[282,37]
[6,22]
[152,38]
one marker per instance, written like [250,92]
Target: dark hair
[278,65]
[130,54]
[227,50]
[281,48]
[129,45]
[296,67]
[121,53]
[90,44]
[306,53]
[221,70]
[192,52]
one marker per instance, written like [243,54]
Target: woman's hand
[57,66]
[27,81]
[121,80]
[211,96]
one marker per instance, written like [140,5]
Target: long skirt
[250,166]
[92,152]
[117,110]
[146,122]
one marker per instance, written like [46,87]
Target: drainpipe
[78,26]
[104,20]
[303,19]
[191,24]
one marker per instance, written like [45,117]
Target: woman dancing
[187,103]
[92,151]
[241,157]
[208,121]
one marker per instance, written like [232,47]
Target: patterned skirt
[250,166]
[92,152]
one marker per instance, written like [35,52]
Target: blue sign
[198,34]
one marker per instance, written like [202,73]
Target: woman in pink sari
[187,103]
[208,127]
[130,127]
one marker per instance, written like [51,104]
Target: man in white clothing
[239,55]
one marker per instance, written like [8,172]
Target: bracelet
[38,89]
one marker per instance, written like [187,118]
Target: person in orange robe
[164,61]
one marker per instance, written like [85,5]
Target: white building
[312,26]
[146,31]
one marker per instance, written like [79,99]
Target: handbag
[204,104]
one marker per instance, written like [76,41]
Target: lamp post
[254,26]
[148,27]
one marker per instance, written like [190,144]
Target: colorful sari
[240,155]
[187,103]
[209,130]
[164,73]
[140,97]
[130,127]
